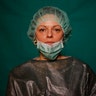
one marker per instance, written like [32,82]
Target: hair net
[60,16]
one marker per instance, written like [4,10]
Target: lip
[49,43]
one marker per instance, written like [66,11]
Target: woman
[51,74]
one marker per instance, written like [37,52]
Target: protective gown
[66,77]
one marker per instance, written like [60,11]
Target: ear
[35,41]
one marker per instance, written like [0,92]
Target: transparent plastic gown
[66,77]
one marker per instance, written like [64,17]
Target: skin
[49,32]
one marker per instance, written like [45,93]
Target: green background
[15,46]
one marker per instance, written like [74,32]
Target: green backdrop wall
[15,46]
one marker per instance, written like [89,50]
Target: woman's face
[49,32]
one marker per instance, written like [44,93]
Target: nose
[49,33]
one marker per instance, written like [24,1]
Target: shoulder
[79,63]
[82,65]
[24,70]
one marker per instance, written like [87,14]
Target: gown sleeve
[20,87]
[10,87]
[90,84]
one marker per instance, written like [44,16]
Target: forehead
[49,24]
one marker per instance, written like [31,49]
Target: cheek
[40,36]
[59,36]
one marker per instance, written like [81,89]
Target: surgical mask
[50,51]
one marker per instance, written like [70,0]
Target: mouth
[49,43]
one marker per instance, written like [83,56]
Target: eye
[57,29]
[42,30]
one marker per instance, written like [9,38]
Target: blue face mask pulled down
[50,51]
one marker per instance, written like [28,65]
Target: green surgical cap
[61,18]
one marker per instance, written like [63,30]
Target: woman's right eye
[42,30]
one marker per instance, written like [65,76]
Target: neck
[42,57]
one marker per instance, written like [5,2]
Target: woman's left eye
[57,30]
